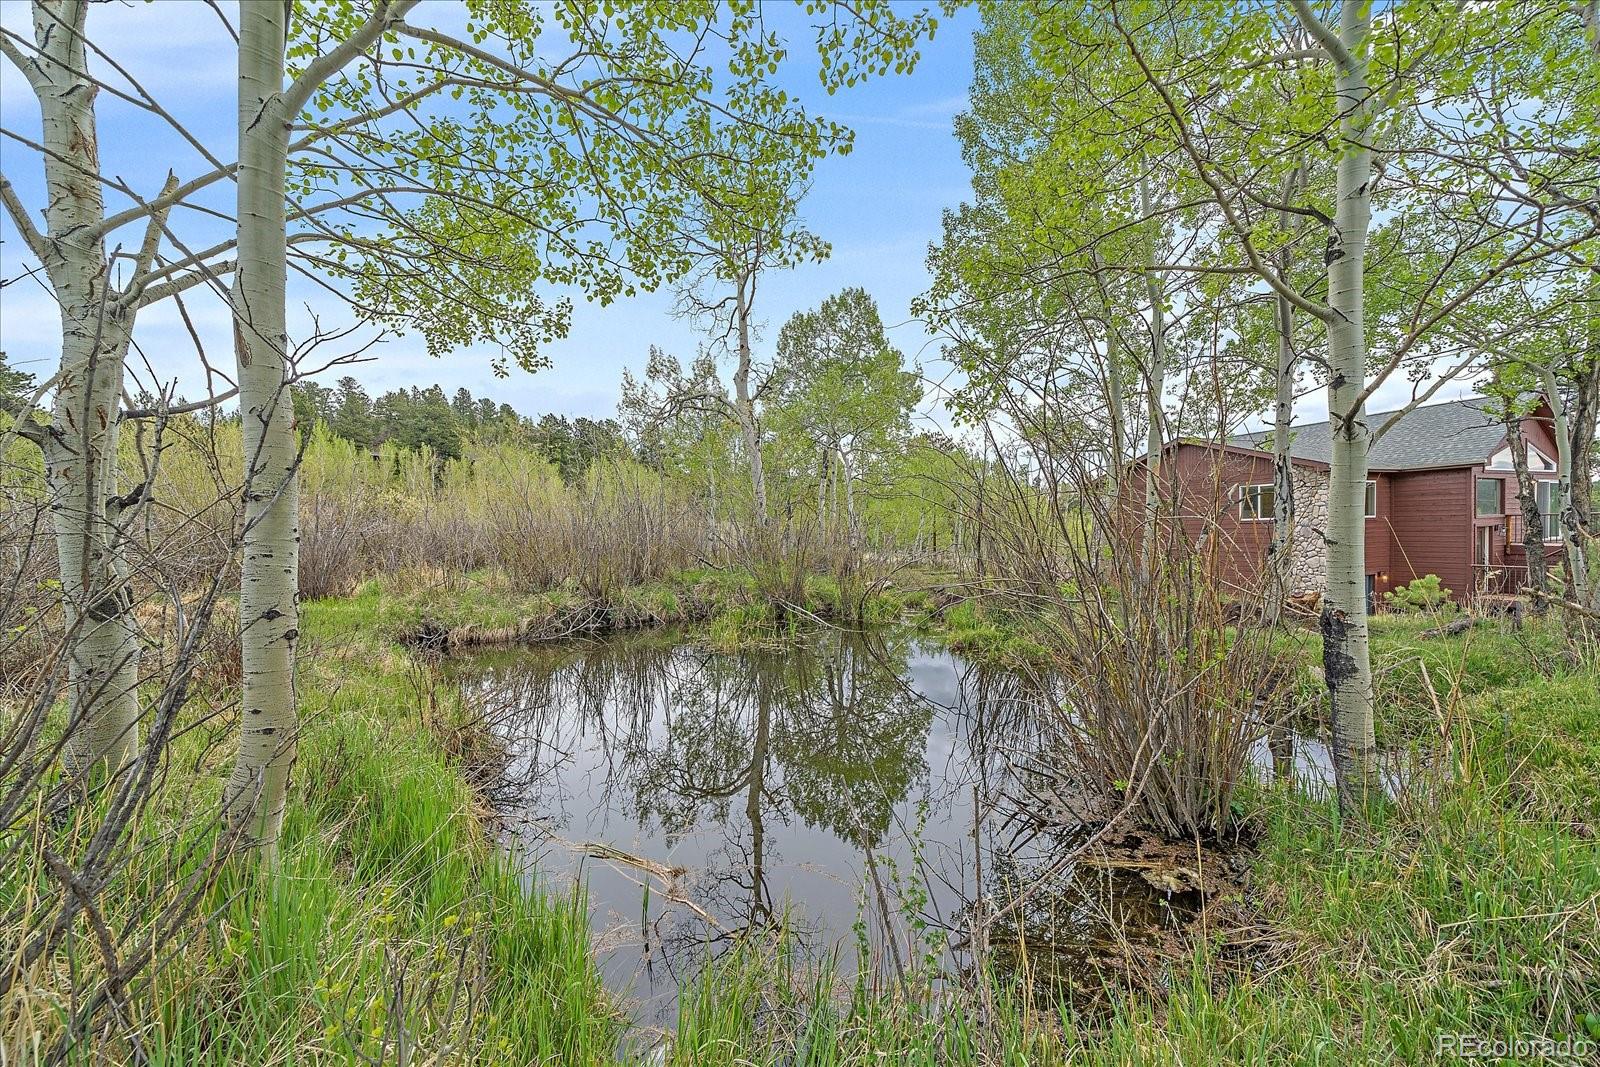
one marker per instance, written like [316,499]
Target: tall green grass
[1469,905]
[392,919]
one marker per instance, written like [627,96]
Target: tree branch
[326,66]
[20,61]
[152,234]
[1326,37]
[560,92]
[19,216]
[181,284]
[1241,232]
[179,409]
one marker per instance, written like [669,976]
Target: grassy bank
[727,609]
[1471,906]
[389,881]
[392,921]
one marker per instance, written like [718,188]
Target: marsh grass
[1474,913]
[393,922]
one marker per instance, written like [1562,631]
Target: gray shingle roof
[1457,434]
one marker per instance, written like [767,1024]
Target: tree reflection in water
[746,790]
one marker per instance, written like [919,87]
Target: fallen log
[1453,627]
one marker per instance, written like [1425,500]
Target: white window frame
[1538,462]
[1550,529]
[1253,492]
[1371,493]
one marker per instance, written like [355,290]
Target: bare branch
[24,66]
[152,233]
[1240,230]
[179,409]
[19,217]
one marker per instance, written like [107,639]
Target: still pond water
[832,785]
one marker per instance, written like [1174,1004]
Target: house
[1441,499]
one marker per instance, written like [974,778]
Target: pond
[859,788]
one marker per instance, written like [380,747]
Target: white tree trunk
[1115,401]
[1155,374]
[1583,410]
[268,610]
[743,402]
[1346,656]
[822,491]
[1281,548]
[81,447]
[852,519]
[1528,504]
[1115,404]
[1572,533]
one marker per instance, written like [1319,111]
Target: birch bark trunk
[822,491]
[1116,404]
[1528,502]
[743,402]
[1583,413]
[1572,533]
[80,450]
[1281,548]
[1346,655]
[268,609]
[852,519]
[1116,401]
[1155,378]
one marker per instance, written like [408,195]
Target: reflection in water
[704,797]
[701,796]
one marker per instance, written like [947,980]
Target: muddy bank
[736,615]
[1122,915]
[585,619]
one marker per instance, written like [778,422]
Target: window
[1489,497]
[1537,460]
[1256,502]
[1545,494]
[1372,499]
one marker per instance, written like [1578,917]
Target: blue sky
[879,207]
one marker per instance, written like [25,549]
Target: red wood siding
[1430,519]
[1206,497]
[1381,547]
[1426,520]
[1540,431]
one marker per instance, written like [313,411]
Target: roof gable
[1462,433]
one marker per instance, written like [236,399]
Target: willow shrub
[1165,694]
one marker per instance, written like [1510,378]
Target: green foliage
[422,418]
[16,388]
[518,170]
[1419,594]
[841,382]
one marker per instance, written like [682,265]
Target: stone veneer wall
[1308,554]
